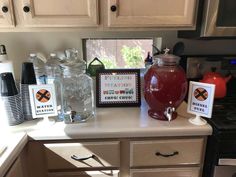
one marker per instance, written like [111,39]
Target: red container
[165,87]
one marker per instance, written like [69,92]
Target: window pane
[119,53]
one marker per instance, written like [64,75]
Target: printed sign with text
[118,87]
[43,100]
[201,97]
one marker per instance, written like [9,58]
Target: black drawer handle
[167,155]
[4,9]
[82,158]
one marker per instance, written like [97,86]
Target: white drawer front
[101,173]
[58,155]
[166,172]
[166,152]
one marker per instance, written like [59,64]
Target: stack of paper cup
[27,78]
[10,100]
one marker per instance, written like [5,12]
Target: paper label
[43,100]
[200,98]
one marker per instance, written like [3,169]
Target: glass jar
[77,89]
[165,87]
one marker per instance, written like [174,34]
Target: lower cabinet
[19,168]
[16,169]
[124,157]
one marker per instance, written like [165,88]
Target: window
[119,53]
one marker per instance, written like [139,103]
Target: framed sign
[43,100]
[118,87]
[200,99]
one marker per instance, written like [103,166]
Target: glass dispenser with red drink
[165,86]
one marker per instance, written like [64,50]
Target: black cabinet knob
[4,9]
[113,8]
[26,9]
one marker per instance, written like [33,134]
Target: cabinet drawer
[166,152]
[101,173]
[59,155]
[166,172]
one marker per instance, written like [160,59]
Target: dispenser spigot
[169,113]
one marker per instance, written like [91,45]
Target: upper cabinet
[152,13]
[6,14]
[60,13]
[103,14]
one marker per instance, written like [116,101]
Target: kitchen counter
[109,123]
[116,123]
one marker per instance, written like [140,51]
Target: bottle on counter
[5,64]
[39,68]
[148,60]
[54,76]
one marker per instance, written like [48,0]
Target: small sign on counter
[118,87]
[43,100]
[200,101]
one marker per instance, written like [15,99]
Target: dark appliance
[216,18]
[220,158]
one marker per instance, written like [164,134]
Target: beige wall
[20,44]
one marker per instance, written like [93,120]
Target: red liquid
[164,86]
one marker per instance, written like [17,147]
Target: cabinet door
[152,13]
[60,13]
[15,170]
[6,14]
[166,172]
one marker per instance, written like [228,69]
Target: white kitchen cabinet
[152,13]
[6,14]
[60,13]
[49,13]
[134,157]
[102,14]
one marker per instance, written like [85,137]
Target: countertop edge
[12,152]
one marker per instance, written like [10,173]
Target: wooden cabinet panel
[16,169]
[152,13]
[60,13]
[166,172]
[6,14]
[107,154]
[166,152]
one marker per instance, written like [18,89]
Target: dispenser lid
[167,57]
